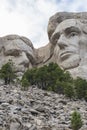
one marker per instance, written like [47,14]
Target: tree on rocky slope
[76,121]
[25,84]
[48,76]
[68,90]
[7,72]
[80,87]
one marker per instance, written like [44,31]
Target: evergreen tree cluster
[7,73]
[51,77]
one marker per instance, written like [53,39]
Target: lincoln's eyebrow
[72,29]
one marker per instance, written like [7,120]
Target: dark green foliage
[76,121]
[68,90]
[30,75]
[67,77]
[80,87]
[42,77]
[49,88]
[7,72]
[85,97]
[59,87]
[25,84]
[52,77]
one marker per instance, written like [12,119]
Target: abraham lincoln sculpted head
[72,42]
[70,37]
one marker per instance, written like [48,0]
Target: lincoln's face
[19,52]
[67,36]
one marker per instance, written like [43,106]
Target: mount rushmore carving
[67,46]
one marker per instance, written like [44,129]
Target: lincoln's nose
[62,42]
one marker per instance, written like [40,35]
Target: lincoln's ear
[84,29]
[54,38]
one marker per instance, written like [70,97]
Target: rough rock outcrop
[18,49]
[61,16]
[67,34]
[67,46]
[36,109]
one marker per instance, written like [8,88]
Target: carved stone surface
[67,46]
[61,16]
[67,34]
[18,49]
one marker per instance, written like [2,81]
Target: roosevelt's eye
[72,34]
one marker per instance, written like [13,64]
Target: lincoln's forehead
[67,24]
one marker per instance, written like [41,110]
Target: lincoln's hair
[61,16]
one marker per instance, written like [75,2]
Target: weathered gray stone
[61,16]
[14,126]
[36,109]
[67,34]
[69,51]
[18,49]
[50,113]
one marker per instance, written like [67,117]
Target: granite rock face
[67,46]
[36,109]
[18,49]
[67,34]
[61,16]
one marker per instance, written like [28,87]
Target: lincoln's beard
[72,62]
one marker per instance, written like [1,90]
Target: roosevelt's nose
[62,42]
[24,60]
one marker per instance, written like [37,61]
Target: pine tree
[68,90]
[76,121]
[7,72]
[80,87]
[25,84]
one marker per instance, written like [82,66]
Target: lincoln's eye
[72,34]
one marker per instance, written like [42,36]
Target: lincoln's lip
[65,53]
